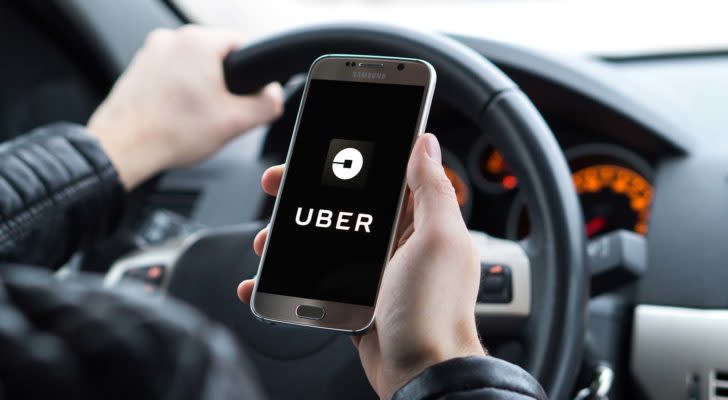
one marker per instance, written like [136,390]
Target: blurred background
[604,27]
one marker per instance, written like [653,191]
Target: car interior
[597,193]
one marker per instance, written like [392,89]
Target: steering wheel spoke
[504,300]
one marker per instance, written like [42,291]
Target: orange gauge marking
[620,180]
[461,189]
[495,165]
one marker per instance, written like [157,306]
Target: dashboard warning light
[509,182]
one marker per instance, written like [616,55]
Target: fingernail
[432,147]
[274,91]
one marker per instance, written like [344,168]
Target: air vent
[719,385]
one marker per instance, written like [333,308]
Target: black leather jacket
[59,193]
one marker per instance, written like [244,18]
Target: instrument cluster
[614,187]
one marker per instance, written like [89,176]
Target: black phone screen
[337,209]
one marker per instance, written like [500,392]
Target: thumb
[245,290]
[251,110]
[435,202]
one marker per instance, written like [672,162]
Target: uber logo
[341,221]
[347,163]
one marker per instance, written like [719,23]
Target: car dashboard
[612,159]
[647,152]
[613,181]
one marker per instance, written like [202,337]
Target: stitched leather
[482,378]
[58,193]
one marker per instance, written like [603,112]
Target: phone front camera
[400,67]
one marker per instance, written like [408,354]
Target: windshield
[599,27]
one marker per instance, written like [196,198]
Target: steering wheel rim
[476,87]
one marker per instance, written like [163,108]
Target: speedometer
[613,197]
[614,191]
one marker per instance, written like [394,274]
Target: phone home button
[310,312]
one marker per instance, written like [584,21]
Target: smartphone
[334,221]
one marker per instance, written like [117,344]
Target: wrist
[467,345]
[127,152]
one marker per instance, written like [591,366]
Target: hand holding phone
[425,311]
[334,222]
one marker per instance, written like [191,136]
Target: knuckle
[436,183]
[157,35]
[188,30]
[419,169]
[444,187]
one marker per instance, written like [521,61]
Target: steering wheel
[549,284]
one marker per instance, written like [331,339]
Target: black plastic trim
[115,30]
[681,55]
[594,83]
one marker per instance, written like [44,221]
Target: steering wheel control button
[347,163]
[495,284]
[151,276]
[307,311]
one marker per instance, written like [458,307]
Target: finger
[405,226]
[435,203]
[158,35]
[357,338]
[259,241]
[221,41]
[271,180]
[245,290]
[249,111]
[405,220]
[228,40]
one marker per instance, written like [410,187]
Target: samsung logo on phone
[369,75]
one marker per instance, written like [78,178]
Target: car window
[602,27]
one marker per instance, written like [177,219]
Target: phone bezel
[344,317]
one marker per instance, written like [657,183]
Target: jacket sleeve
[58,194]
[472,378]
[73,339]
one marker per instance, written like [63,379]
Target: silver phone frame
[344,317]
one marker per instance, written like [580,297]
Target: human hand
[171,107]
[425,311]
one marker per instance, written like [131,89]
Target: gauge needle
[594,225]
